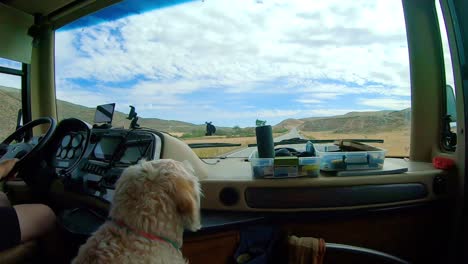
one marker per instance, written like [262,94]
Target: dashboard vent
[229,196]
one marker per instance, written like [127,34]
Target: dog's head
[155,190]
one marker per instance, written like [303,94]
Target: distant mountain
[354,122]
[289,123]
[10,102]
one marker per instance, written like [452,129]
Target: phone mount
[134,117]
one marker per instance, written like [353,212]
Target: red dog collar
[120,223]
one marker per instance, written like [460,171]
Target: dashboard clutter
[287,162]
[309,166]
[310,149]
[285,167]
[345,155]
[340,156]
[104,114]
[133,116]
[262,167]
[265,145]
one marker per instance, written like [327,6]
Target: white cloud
[242,47]
[386,103]
[226,42]
[308,101]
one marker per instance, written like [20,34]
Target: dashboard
[91,160]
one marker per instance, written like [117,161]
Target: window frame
[443,131]
[25,74]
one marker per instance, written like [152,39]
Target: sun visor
[16,43]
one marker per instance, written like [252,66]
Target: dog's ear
[186,201]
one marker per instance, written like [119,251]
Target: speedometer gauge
[66,140]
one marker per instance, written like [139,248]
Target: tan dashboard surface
[236,175]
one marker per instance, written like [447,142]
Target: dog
[154,202]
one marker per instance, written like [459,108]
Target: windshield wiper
[212,145]
[291,141]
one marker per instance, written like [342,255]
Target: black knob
[439,185]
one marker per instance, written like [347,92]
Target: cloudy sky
[232,62]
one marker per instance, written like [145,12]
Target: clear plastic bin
[262,168]
[350,160]
[309,166]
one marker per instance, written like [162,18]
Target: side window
[449,133]
[10,96]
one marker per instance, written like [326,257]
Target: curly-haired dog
[153,202]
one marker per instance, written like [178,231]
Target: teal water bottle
[310,150]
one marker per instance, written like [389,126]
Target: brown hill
[357,122]
[10,103]
[353,122]
[289,123]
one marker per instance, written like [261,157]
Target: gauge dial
[58,152]
[76,141]
[63,154]
[70,154]
[66,140]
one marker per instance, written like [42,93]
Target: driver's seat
[22,253]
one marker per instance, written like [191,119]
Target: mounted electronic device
[104,115]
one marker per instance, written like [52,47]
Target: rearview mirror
[450,103]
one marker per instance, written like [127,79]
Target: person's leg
[35,220]
[10,234]
[4,200]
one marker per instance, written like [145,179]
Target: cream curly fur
[160,197]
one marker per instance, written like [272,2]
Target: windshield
[206,71]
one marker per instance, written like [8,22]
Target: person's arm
[6,166]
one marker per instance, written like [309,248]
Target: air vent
[229,196]
[322,197]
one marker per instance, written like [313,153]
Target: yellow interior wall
[427,77]
[43,101]
[15,42]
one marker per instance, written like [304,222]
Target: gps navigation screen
[106,147]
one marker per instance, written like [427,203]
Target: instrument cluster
[70,143]
[71,146]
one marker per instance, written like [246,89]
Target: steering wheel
[26,152]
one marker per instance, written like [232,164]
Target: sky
[232,62]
